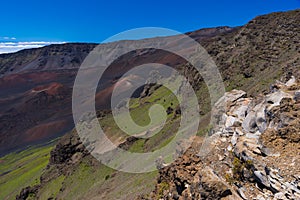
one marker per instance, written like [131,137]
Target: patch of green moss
[137,146]
[52,188]
[22,169]
[163,186]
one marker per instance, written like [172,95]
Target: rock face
[254,152]
[26,192]
[68,150]
[247,56]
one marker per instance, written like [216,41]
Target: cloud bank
[11,46]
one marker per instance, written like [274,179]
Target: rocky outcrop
[69,150]
[27,192]
[248,57]
[254,152]
[254,149]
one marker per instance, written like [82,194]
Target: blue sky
[96,20]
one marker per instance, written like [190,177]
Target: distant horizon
[15,38]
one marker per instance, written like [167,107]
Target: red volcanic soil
[43,131]
[51,89]
[35,107]
[17,82]
[36,87]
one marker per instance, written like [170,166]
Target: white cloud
[7,38]
[10,47]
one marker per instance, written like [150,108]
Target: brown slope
[232,54]
[36,87]
[53,57]
[249,57]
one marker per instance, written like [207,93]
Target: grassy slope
[22,169]
[88,181]
[259,57]
[99,182]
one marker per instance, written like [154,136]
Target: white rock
[251,136]
[275,184]
[221,157]
[291,82]
[275,98]
[230,121]
[239,131]
[279,196]
[262,178]
[249,123]
[234,139]
[292,187]
[240,108]
[260,120]
[234,95]
[241,193]
[260,197]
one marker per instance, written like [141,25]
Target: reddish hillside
[36,88]
[36,84]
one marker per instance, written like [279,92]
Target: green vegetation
[139,108]
[238,169]
[138,146]
[52,189]
[85,176]
[161,188]
[86,180]
[22,169]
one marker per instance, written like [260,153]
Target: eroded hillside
[253,153]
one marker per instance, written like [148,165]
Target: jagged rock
[243,130]
[239,131]
[261,121]
[241,193]
[160,163]
[228,100]
[70,148]
[249,123]
[239,110]
[262,178]
[212,187]
[291,82]
[26,192]
[279,196]
[275,98]
[292,187]
[233,96]
[246,144]
[230,121]
[234,139]
[276,185]
[76,157]
[169,110]
[260,197]
[229,148]
[252,136]
[297,96]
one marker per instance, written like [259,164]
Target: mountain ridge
[249,58]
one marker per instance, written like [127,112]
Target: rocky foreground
[254,152]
